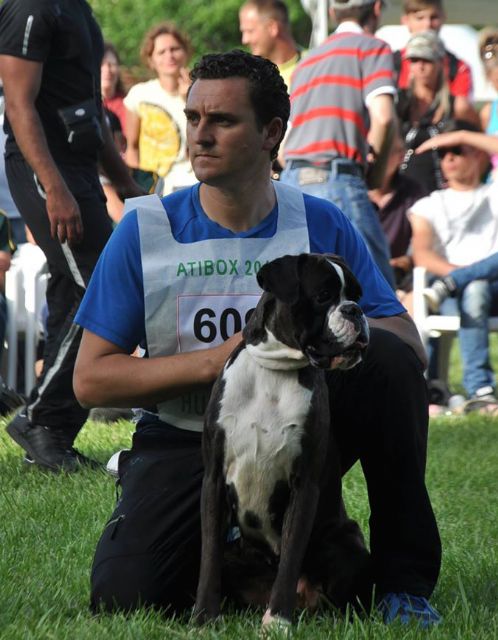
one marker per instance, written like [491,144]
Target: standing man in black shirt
[50,56]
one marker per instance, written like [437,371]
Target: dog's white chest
[262,414]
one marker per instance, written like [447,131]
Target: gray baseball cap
[426,45]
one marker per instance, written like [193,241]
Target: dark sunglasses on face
[420,60]
[457,150]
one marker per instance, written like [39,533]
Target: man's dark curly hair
[267,90]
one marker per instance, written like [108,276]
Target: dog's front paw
[272,621]
[202,615]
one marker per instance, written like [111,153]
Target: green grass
[49,526]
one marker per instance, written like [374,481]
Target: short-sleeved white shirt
[465,223]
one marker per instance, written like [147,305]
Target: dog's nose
[351,311]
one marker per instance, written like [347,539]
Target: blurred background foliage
[212,25]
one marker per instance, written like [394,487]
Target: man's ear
[273,27]
[273,133]
[280,277]
[378,7]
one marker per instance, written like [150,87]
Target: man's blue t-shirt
[113,306]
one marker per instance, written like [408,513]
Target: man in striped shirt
[342,120]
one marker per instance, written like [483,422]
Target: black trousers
[149,551]
[52,401]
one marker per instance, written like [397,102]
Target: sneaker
[81,460]
[10,400]
[436,294]
[405,608]
[112,466]
[483,400]
[47,447]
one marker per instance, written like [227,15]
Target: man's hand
[64,216]
[402,262]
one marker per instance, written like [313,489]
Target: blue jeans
[474,305]
[350,194]
[486,269]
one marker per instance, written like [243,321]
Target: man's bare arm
[132,138]
[423,251]
[380,137]
[482,141]
[21,81]
[403,326]
[107,376]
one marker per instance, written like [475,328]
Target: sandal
[485,405]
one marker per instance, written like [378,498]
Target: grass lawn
[50,525]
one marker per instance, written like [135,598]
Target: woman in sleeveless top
[426,106]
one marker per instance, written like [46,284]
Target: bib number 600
[207,326]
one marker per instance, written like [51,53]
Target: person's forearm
[433,262]
[115,206]
[121,380]
[132,156]
[404,327]
[380,137]
[482,141]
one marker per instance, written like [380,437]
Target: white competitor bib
[199,294]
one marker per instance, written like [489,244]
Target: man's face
[257,32]
[461,163]
[423,20]
[224,141]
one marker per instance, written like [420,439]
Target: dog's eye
[325,295]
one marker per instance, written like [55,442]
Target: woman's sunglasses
[457,150]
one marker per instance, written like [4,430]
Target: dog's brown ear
[353,288]
[280,277]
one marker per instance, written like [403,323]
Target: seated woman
[426,107]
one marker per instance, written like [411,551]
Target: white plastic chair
[25,287]
[435,326]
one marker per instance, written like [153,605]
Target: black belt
[340,166]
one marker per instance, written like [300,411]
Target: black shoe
[81,460]
[47,447]
[10,400]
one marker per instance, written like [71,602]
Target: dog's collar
[273,354]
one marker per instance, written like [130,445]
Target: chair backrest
[25,287]
[436,326]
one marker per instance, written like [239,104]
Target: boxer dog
[267,425]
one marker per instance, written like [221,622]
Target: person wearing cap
[342,114]
[422,15]
[426,106]
[455,237]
